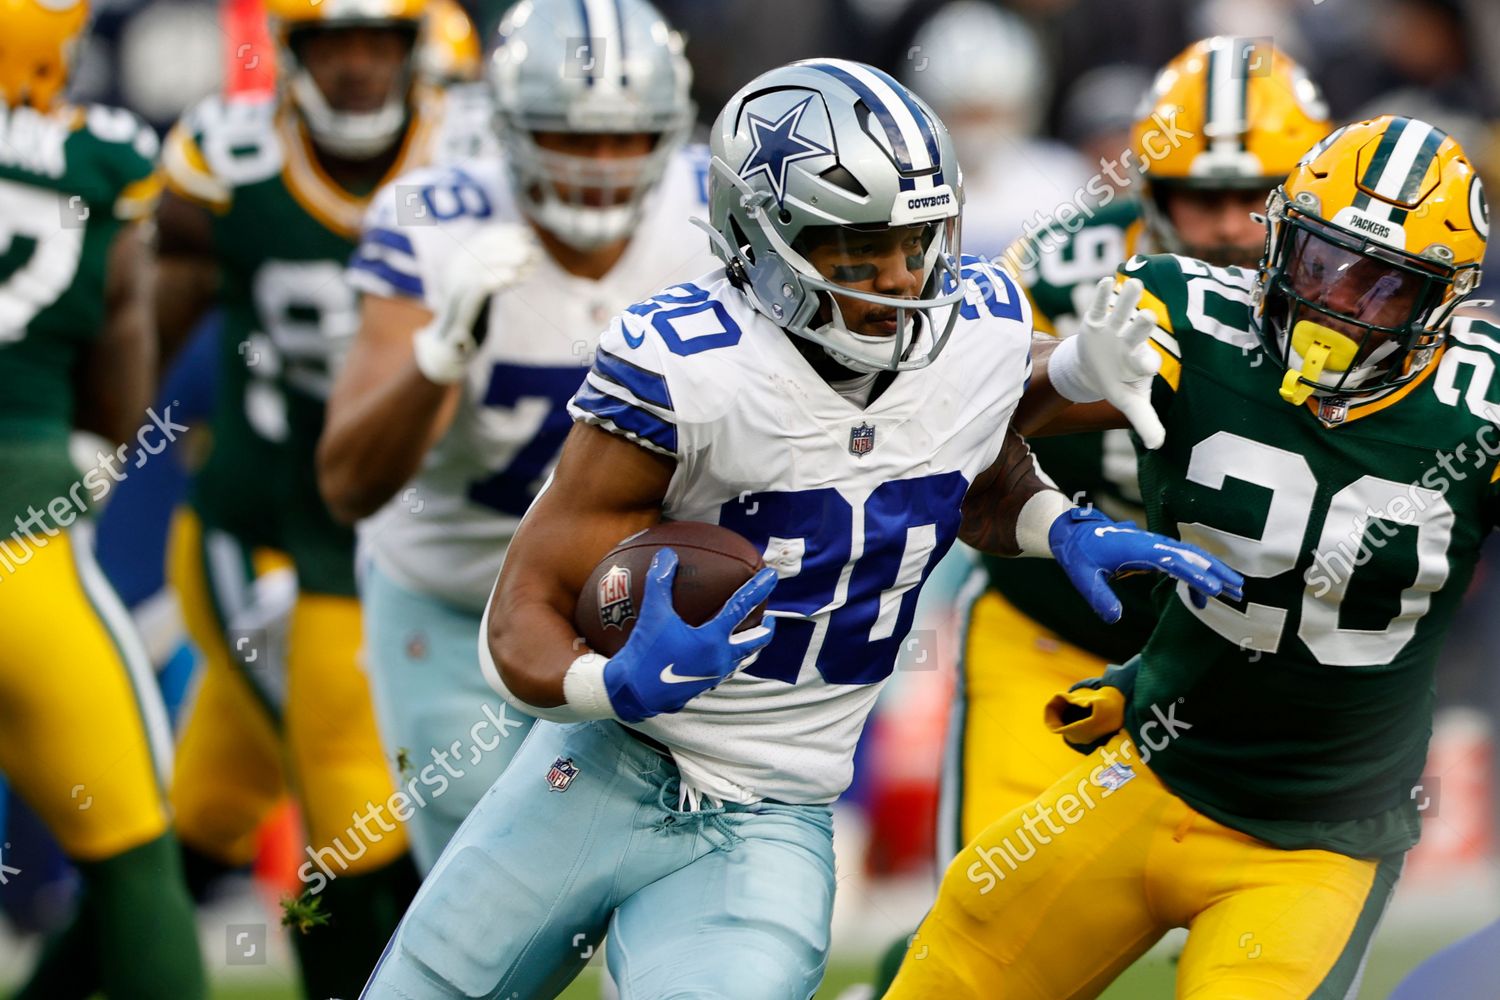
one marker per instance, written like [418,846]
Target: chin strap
[1321,349]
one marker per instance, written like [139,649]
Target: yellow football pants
[1000,753]
[1055,899]
[235,758]
[84,737]
[229,766]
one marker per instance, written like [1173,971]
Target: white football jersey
[852,506]
[446,532]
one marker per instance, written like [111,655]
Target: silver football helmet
[588,66]
[831,145]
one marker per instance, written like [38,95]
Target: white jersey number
[41,241]
[1345,542]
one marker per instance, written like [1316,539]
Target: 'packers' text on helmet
[1227,114]
[588,67]
[834,149]
[449,49]
[353,134]
[37,46]
[1373,240]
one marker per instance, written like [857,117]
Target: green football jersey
[283,233]
[69,180]
[1090,468]
[1301,715]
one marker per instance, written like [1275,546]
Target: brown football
[712,563]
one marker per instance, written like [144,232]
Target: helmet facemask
[788,288]
[585,201]
[1165,235]
[1346,315]
[356,135]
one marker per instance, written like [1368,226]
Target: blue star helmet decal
[776,145]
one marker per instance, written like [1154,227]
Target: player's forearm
[375,437]
[1004,510]
[114,379]
[533,644]
[1045,412]
[187,274]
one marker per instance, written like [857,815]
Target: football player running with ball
[1331,430]
[839,393]
[588,212]
[84,737]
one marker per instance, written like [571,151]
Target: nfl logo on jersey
[615,606]
[861,440]
[562,773]
[1114,776]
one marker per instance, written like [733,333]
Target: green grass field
[1149,979]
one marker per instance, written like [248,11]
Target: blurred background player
[983,71]
[588,212]
[265,197]
[81,718]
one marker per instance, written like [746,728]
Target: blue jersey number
[996,291]
[540,397]
[908,525]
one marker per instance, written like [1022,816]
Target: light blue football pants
[446,733]
[719,903]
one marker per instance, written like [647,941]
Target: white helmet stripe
[1403,158]
[601,25]
[1226,80]
[890,107]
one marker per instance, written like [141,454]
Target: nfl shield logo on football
[1333,410]
[562,773]
[861,440]
[1114,776]
[615,605]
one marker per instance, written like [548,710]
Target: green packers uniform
[283,231]
[1357,526]
[1262,789]
[69,182]
[84,736]
[1030,633]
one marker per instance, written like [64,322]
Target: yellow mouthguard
[1321,349]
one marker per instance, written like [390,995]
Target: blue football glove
[666,662]
[1091,548]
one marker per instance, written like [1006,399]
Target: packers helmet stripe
[1376,168]
[906,127]
[1226,90]
[1393,180]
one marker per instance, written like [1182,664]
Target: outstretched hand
[1091,548]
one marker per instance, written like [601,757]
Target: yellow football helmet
[1372,242]
[37,48]
[1225,114]
[352,134]
[449,50]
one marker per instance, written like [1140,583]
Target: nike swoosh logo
[1106,529]
[668,676]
